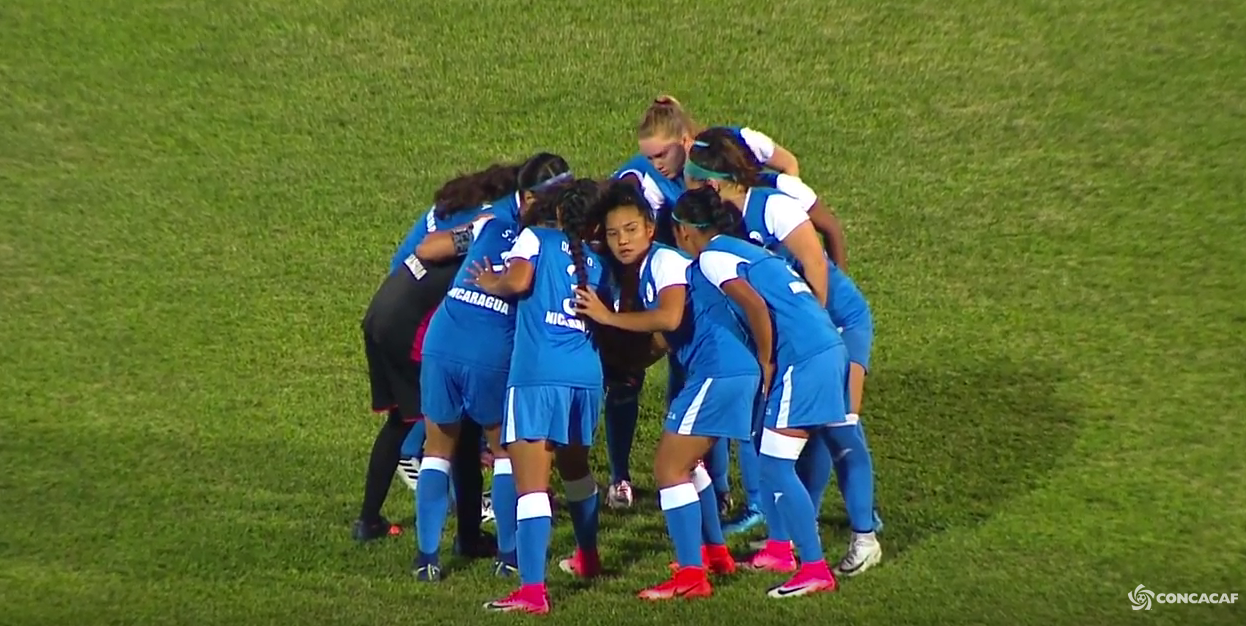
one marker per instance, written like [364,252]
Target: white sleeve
[527,245]
[669,268]
[653,193]
[479,225]
[783,214]
[720,267]
[796,188]
[761,144]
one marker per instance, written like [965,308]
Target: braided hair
[704,210]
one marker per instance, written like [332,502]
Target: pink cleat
[811,578]
[526,599]
[776,556]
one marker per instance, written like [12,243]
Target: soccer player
[721,382]
[393,329]
[664,134]
[468,352]
[804,365]
[554,393]
[782,224]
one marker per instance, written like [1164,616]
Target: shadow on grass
[954,445]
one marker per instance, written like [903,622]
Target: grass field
[1044,202]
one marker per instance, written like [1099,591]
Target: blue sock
[582,506]
[413,445]
[711,525]
[791,499]
[532,538]
[432,504]
[681,505]
[775,530]
[504,505]
[750,475]
[717,462]
[622,411]
[814,468]
[854,467]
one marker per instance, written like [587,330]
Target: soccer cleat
[878,522]
[364,532]
[620,496]
[427,573]
[687,582]
[502,569]
[864,552]
[486,508]
[812,578]
[776,556]
[526,599]
[715,560]
[747,520]
[581,564]
[409,472]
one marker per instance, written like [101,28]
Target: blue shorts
[859,339]
[714,407]
[811,393]
[564,415]
[449,391]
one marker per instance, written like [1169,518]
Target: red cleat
[687,582]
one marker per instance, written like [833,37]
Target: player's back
[709,341]
[802,327]
[552,345]
[473,327]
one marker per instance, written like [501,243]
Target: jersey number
[568,304]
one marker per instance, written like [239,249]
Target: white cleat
[620,496]
[409,472]
[486,508]
[864,552]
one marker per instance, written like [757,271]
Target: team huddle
[528,299]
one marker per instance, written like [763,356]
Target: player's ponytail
[468,191]
[719,154]
[576,203]
[704,210]
[666,118]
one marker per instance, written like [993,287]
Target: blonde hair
[665,117]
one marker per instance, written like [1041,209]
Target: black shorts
[390,328]
[395,380]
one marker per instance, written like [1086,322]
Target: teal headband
[696,172]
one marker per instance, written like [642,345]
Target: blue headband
[542,186]
[692,224]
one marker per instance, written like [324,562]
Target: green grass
[1044,203]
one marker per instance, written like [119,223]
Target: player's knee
[572,462]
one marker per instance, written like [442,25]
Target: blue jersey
[802,328]
[769,217]
[472,327]
[710,342]
[552,345]
[760,146]
[507,207]
[661,192]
